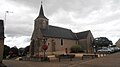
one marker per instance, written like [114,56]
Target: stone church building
[57,38]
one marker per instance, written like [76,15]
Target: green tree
[101,42]
[76,49]
[21,51]
[26,50]
[6,51]
[14,50]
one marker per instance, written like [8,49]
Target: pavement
[112,60]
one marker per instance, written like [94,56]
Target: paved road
[53,63]
[107,61]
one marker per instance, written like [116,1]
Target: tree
[26,50]
[21,51]
[6,51]
[13,51]
[76,49]
[101,42]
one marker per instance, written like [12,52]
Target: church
[57,38]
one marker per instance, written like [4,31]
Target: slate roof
[58,32]
[82,35]
[1,29]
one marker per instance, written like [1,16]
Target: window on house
[61,42]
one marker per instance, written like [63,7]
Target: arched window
[61,42]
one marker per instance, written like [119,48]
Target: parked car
[112,48]
[117,49]
[105,50]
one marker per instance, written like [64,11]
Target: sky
[102,17]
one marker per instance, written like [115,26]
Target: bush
[76,49]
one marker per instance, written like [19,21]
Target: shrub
[76,49]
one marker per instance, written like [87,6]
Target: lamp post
[6,15]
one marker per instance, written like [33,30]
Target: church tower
[40,23]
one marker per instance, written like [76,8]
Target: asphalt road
[52,63]
[112,60]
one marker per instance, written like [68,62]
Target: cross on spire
[41,2]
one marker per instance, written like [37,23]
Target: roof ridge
[83,31]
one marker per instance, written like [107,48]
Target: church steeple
[41,13]
[41,22]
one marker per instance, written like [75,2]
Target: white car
[117,49]
[112,48]
[105,50]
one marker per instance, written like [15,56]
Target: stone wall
[67,43]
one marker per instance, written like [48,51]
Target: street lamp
[6,14]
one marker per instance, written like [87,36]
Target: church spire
[41,13]
[41,10]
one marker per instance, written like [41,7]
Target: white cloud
[99,16]
[21,41]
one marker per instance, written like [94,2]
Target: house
[57,38]
[1,42]
[118,43]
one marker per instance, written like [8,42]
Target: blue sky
[99,16]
